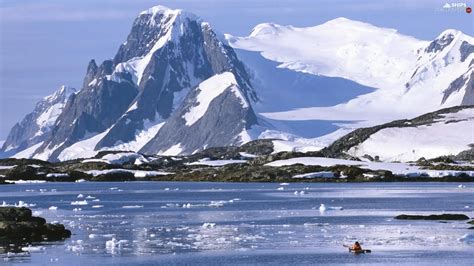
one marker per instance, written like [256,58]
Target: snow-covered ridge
[210,89]
[372,56]
[37,125]
[411,76]
[51,108]
[448,135]
[165,11]
[172,26]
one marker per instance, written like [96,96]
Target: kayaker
[356,247]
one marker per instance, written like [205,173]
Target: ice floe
[79,202]
[19,204]
[467,238]
[132,206]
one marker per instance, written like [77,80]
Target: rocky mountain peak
[61,94]
[443,40]
[37,125]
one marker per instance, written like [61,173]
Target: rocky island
[19,228]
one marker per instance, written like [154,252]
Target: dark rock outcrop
[444,216]
[18,227]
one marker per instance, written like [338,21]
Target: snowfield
[208,162]
[137,173]
[446,136]
[370,55]
[409,78]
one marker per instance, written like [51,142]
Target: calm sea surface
[247,223]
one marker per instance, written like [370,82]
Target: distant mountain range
[176,86]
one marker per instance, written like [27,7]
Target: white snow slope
[446,136]
[409,80]
[210,89]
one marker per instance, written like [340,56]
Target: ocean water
[247,223]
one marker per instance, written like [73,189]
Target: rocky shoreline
[19,228]
[252,162]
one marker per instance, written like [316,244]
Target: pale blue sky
[44,44]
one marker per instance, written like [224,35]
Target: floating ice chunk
[76,246]
[281,188]
[24,204]
[113,245]
[467,238]
[97,206]
[217,204]
[80,180]
[79,202]
[80,196]
[33,248]
[92,236]
[284,184]
[76,209]
[53,208]
[26,181]
[462,186]
[19,204]
[208,225]
[90,197]
[132,206]
[322,208]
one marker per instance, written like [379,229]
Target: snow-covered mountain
[168,78]
[175,86]
[36,127]
[445,132]
[408,76]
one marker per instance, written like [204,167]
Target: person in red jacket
[356,247]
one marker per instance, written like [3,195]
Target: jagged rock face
[93,109]
[190,52]
[464,81]
[466,49]
[166,55]
[37,125]
[193,127]
[440,43]
[468,98]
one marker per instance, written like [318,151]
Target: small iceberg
[79,202]
[132,206]
[467,238]
[323,208]
[114,244]
[208,225]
